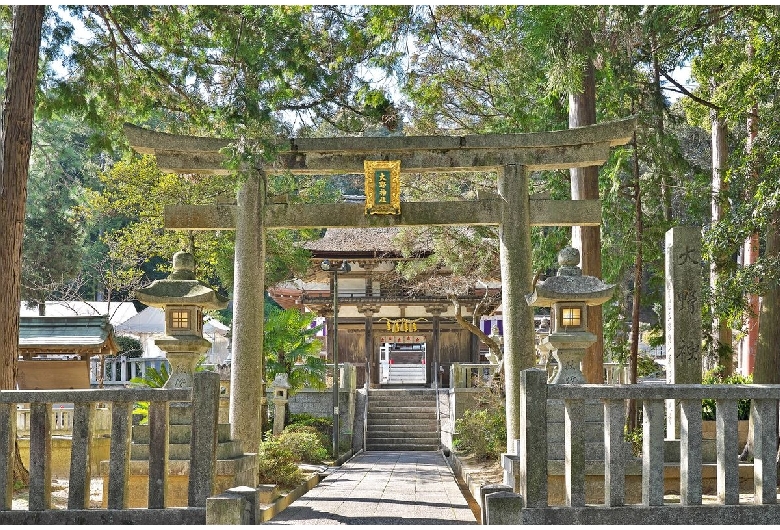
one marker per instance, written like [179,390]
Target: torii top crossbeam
[585,146]
[580,147]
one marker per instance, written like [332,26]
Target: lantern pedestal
[569,350]
[183,353]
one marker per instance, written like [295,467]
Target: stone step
[410,401]
[225,450]
[180,414]
[381,437]
[402,420]
[402,424]
[402,444]
[179,434]
[389,392]
[400,410]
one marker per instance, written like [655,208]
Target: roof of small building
[70,334]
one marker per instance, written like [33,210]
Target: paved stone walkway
[373,488]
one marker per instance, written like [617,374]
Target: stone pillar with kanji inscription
[682,314]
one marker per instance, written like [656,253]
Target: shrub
[323,425]
[482,430]
[305,443]
[278,464]
[715,377]
[634,437]
[646,366]
[129,346]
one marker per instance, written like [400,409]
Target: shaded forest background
[705,151]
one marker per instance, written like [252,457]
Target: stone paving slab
[393,487]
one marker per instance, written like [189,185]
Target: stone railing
[614,373]
[62,419]
[471,375]
[203,398]
[528,468]
[120,370]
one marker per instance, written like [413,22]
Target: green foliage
[129,346]
[154,378]
[291,347]
[195,69]
[298,443]
[278,464]
[304,420]
[715,377]
[306,443]
[646,366]
[135,246]
[481,431]
[55,236]
[634,437]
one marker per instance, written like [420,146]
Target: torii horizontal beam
[580,147]
[352,215]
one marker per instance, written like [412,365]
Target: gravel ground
[59,495]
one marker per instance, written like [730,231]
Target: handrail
[366,385]
[120,370]
[436,390]
[461,373]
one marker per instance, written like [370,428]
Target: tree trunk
[16,142]
[633,421]
[750,249]
[767,352]
[750,255]
[721,329]
[585,185]
[658,108]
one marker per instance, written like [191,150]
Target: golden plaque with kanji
[383,186]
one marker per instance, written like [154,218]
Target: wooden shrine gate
[511,156]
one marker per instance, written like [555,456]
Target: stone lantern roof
[181,287]
[570,285]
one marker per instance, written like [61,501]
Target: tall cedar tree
[16,141]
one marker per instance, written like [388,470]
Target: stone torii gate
[511,156]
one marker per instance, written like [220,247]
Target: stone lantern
[568,294]
[183,299]
[281,390]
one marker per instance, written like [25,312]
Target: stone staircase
[402,420]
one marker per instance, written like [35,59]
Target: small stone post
[682,314]
[281,387]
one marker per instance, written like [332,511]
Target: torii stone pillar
[514,236]
[247,378]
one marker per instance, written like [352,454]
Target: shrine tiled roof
[375,241]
